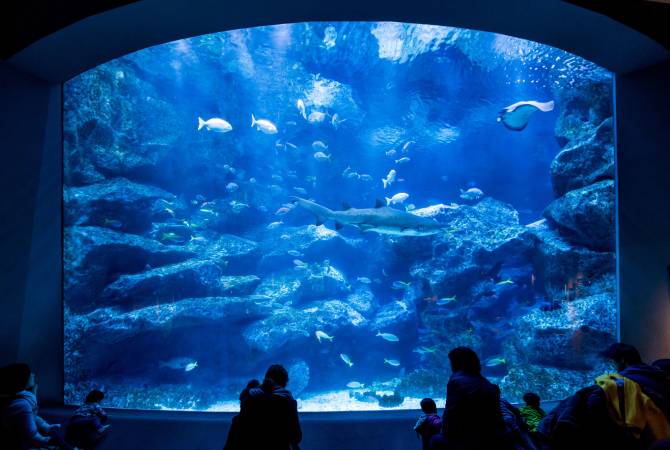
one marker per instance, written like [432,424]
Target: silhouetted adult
[612,413]
[653,381]
[472,417]
[20,426]
[268,416]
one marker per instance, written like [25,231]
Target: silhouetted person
[86,429]
[20,426]
[472,418]
[621,411]
[268,416]
[516,430]
[236,433]
[653,381]
[532,413]
[429,423]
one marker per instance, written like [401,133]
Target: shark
[380,219]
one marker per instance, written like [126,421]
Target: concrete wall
[643,140]
[30,229]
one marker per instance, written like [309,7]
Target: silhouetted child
[87,426]
[532,413]
[429,423]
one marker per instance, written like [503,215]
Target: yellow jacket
[640,411]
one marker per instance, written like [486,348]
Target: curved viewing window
[351,200]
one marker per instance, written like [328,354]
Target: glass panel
[352,200]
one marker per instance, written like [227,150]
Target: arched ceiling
[59,45]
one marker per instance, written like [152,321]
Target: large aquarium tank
[351,200]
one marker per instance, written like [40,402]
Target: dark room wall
[30,204]
[643,146]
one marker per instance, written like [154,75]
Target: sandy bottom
[333,401]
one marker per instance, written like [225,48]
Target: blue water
[188,268]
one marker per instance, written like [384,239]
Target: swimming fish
[505,282]
[185,364]
[170,236]
[495,362]
[381,219]
[322,335]
[402,160]
[316,117]
[320,156]
[336,121]
[299,263]
[472,194]
[390,153]
[397,198]
[424,350]
[232,187]
[410,207]
[346,359]
[295,253]
[355,385]
[392,362]
[405,147]
[515,117]
[319,145]
[390,178]
[445,301]
[281,211]
[214,124]
[300,190]
[273,225]
[364,280]
[401,285]
[388,336]
[301,107]
[365,177]
[197,239]
[238,206]
[263,125]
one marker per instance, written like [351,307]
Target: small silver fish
[294,253]
[323,335]
[346,359]
[364,280]
[320,156]
[355,385]
[445,301]
[495,362]
[301,107]
[319,146]
[392,362]
[388,337]
[401,285]
[274,225]
[263,125]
